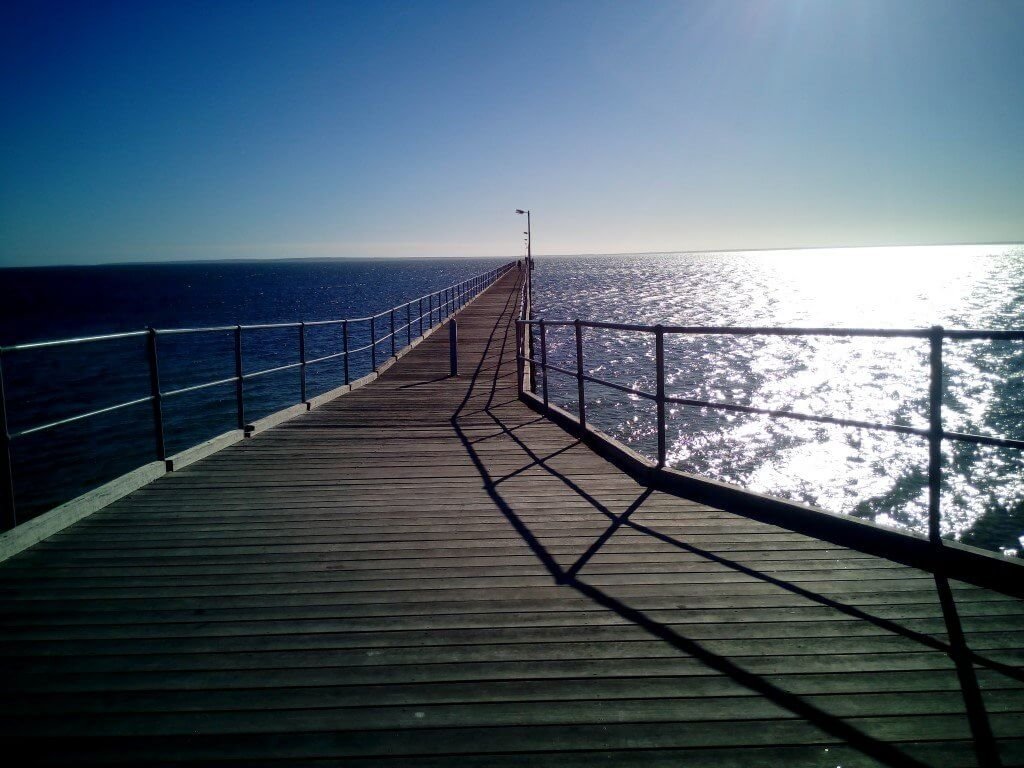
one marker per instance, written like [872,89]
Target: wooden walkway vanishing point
[426,572]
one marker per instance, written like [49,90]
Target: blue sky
[152,131]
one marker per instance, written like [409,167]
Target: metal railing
[420,315]
[935,434]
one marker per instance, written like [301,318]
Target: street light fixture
[529,290]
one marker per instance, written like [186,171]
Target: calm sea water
[877,476]
[47,385]
[874,475]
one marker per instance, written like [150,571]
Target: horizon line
[250,259]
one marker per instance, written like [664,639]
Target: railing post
[302,362]
[154,389]
[239,389]
[408,324]
[935,436]
[453,347]
[392,331]
[373,343]
[344,346]
[579,374]
[544,359]
[519,357]
[529,339]
[421,314]
[659,362]
[8,513]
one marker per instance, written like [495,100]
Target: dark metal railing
[440,306]
[935,433]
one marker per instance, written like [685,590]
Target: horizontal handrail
[265,371]
[268,326]
[79,340]
[252,326]
[968,334]
[900,428]
[197,387]
[934,433]
[620,387]
[797,415]
[208,329]
[362,349]
[735,330]
[327,357]
[79,417]
[1003,442]
[440,304]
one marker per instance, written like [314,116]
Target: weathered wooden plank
[424,571]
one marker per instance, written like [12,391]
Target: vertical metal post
[529,294]
[421,315]
[453,347]
[935,436]
[8,514]
[373,342]
[408,324]
[302,362]
[544,359]
[659,362]
[519,357]
[344,346]
[579,374]
[154,389]
[392,332]
[533,368]
[239,390]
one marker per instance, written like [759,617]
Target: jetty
[433,570]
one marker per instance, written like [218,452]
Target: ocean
[46,385]
[873,475]
[877,476]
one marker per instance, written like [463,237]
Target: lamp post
[529,293]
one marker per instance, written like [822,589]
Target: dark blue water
[46,385]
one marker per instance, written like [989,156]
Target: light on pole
[529,292]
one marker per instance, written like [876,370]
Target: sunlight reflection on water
[875,475]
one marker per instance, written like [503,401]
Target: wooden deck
[424,572]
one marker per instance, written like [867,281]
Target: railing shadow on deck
[482,382]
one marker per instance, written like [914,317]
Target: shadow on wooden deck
[485,381]
[428,573]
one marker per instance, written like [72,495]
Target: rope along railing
[414,318]
[935,434]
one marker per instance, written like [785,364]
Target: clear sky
[145,130]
